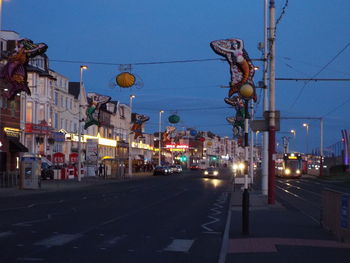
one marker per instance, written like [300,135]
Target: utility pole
[321,147]
[251,147]
[131,97]
[272,119]
[245,196]
[265,154]
[82,68]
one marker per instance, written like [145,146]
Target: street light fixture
[160,137]
[82,68]
[307,135]
[294,132]
[131,97]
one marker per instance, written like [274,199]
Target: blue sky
[311,37]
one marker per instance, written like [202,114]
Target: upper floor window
[56,98]
[29,112]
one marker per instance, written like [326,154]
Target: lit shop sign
[176,147]
[12,132]
[141,145]
[83,138]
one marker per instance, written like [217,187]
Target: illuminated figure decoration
[136,128]
[238,121]
[167,134]
[241,67]
[14,74]
[93,111]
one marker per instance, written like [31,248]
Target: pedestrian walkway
[59,185]
[279,234]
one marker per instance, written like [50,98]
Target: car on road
[194,167]
[211,172]
[176,168]
[162,170]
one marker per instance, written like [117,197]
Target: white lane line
[58,240]
[180,245]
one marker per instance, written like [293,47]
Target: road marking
[58,240]
[180,245]
[268,245]
[215,211]
[209,223]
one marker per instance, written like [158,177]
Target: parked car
[161,170]
[211,172]
[46,171]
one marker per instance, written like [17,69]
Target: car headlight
[235,167]
[216,172]
[297,171]
[205,172]
[287,171]
[241,166]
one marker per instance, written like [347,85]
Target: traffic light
[183,158]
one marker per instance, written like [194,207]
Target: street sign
[263,125]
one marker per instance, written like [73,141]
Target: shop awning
[17,146]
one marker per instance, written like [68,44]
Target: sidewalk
[278,234]
[59,185]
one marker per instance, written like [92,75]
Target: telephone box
[30,172]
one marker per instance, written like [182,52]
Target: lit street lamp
[160,137]
[82,68]
[307,135]
[130,162]
[294,132]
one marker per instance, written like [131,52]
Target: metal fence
[9,179]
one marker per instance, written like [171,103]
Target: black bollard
[245,212]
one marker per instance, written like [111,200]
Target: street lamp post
[160,137]
[307,137]
[129,155]
[82,68]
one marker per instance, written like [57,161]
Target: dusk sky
[312,40]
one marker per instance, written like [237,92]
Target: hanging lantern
[125,79]
[202,139]
[174,118]
[209,144]
[193,132]
[246,91]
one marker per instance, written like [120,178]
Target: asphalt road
[178,218]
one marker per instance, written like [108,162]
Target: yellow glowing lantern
[209,143]
[246,91]
[125,80]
